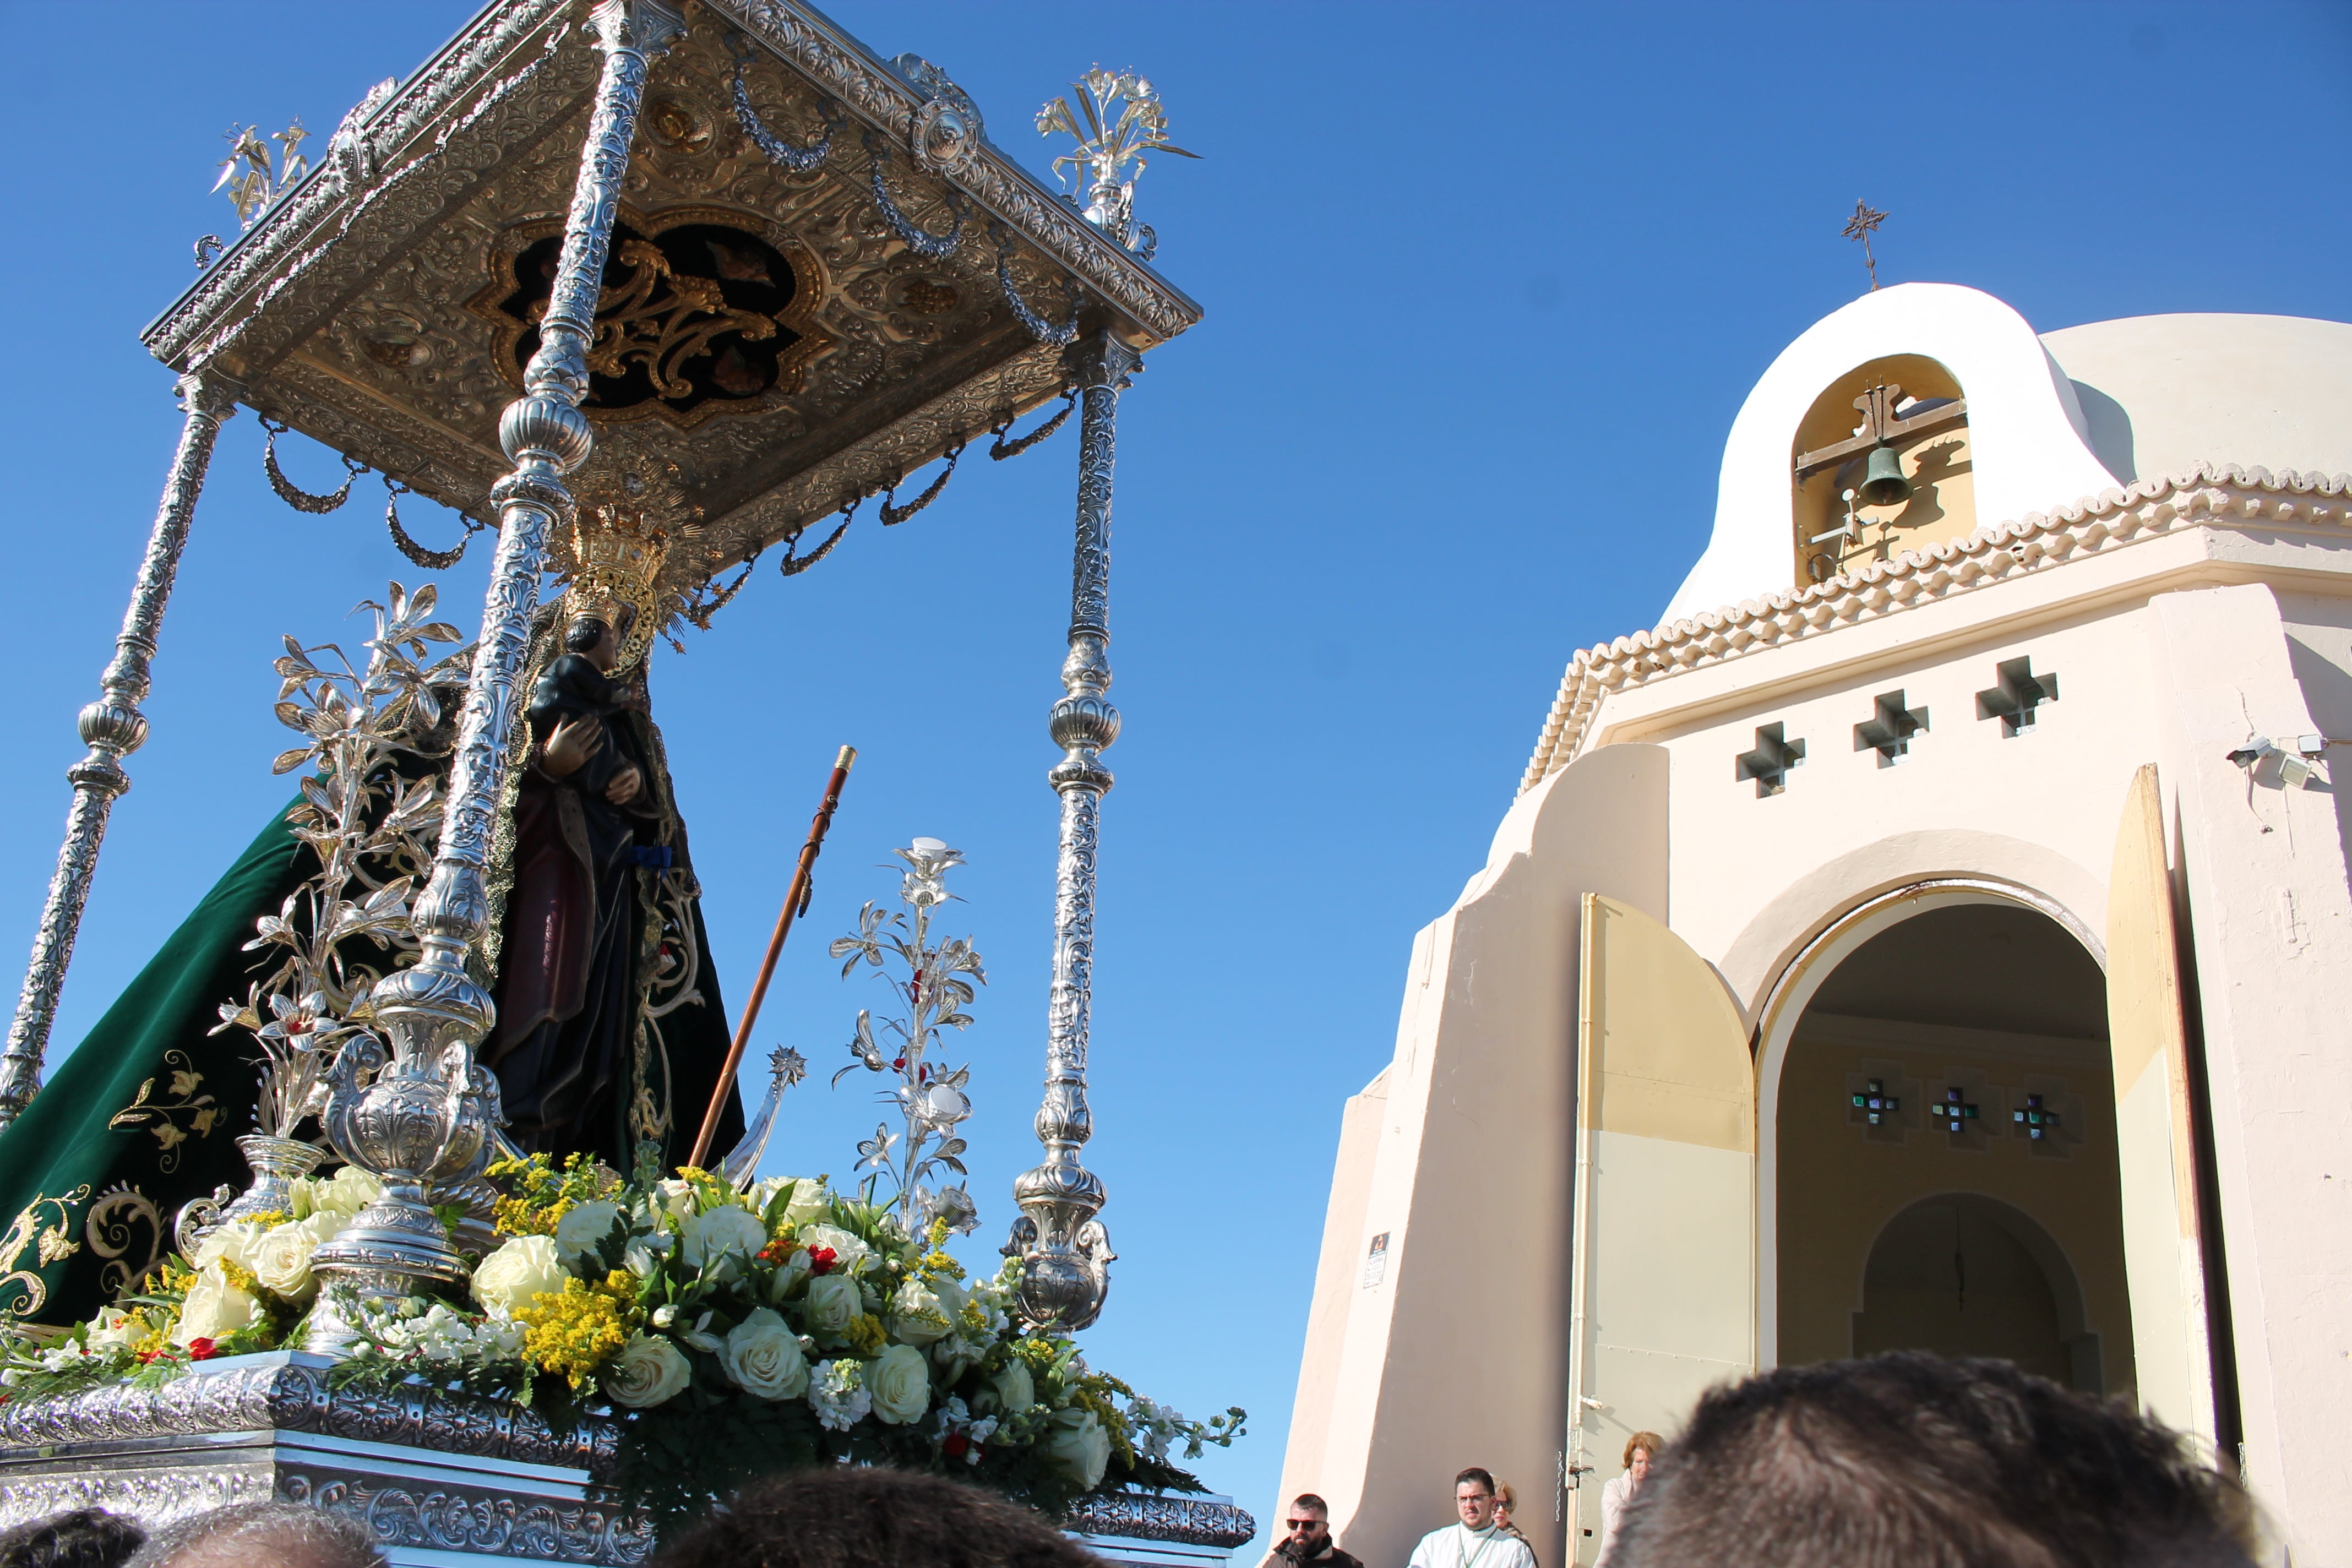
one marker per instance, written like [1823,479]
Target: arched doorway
[1962,1274]
[1943,1118]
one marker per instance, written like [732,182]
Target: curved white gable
[2026,432]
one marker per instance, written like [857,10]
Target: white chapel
[1936,932]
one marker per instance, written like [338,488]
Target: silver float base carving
[442,1479]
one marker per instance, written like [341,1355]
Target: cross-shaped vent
[1953,1111]
[1889,728]
[2018,693]
[1875,1102]
[1769,763]
[2033,1119]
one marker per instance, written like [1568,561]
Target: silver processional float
[451,298]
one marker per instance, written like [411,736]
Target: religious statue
[600,941]
[586,824]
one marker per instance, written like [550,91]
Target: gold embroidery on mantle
[156,1115]
[111,1230]
[48,1243]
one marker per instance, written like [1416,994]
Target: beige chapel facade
[1936,932]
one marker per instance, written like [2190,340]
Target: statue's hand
[568,750]
[624,785]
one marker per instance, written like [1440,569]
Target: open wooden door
[1664,1255]
[2163,1239]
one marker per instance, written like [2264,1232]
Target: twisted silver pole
[112,728]
[1065,1252]
[429,1112]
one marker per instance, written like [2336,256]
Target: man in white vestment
[1474,1540]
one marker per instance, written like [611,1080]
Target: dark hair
[326,1540]
[84,1537]
[1308,1499]
[866,1517]
[585,632]
[1476,1473]
[1910,1459]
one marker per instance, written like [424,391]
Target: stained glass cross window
[2035,1120]
[1953,1111]
[1875,1102]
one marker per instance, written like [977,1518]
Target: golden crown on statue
[629,507]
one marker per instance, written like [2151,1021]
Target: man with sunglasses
[1309,1544]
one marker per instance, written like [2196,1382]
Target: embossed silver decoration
[113,728]
[452,1475]
[1196,1520]
[1044,330]
[424,1113]
[786,1068]
[1065,1251]
[1123,120]
[946,131]
[276,1165]
[783,155]
[931,247]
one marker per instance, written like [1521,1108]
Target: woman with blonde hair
[1641,1450]
[1506,1499]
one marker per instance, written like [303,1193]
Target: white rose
[901,1382]
[707,1238]
[1014,1389]
[238,1243]
[214,1307]
[918,1314]
[114,1332]
[1077,1442]
[809,1201]
[762,1354]
[282,1261]
[677,1198]
[848,1252]
[525,1267]
[832,1300]
[648,1371]
[583,1229]
[351,1190]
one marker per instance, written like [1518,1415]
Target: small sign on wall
[1376,1261]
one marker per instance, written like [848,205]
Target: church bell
[1882,483]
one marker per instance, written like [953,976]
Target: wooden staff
[796,898]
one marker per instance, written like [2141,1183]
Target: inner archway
[1946,1167]
[1961,1274]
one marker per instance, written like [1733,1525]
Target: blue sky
[1484,284]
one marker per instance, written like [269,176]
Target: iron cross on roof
[1862,226]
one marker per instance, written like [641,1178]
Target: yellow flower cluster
[578,1331]
[866,1335]
[542,1195]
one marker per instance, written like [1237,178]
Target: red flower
[822,1259]
[955,1445]
[201,1350]
[899,1065]
[146,1356]
[774,1252]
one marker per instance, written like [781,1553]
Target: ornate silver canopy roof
[384,306]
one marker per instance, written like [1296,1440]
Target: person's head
[1474,1497]
[1910,1459]
[593,639]
[261,1535]
[1506,1499]
[1309,1523]
[1641,1451]
[857,1516]
[85,1538]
